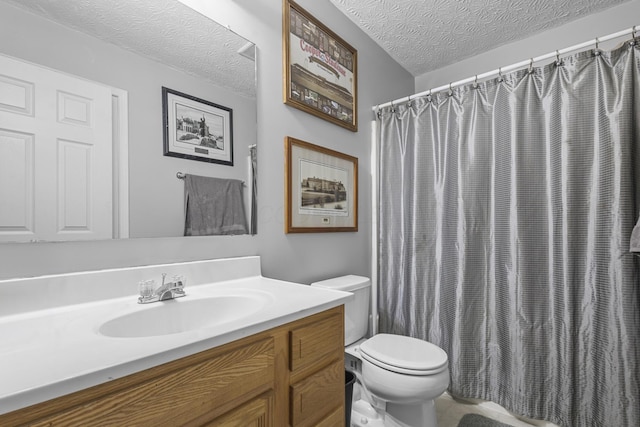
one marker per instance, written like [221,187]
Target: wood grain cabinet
[317,372]
[290,375]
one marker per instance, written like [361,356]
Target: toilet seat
[404,355]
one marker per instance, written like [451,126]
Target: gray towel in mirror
[214,206]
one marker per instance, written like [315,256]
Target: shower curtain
[505,210]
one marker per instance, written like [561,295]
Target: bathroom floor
[450,412]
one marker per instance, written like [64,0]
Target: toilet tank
[356,311]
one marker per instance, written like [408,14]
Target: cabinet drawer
[178,396]
[314,398]
[316,341]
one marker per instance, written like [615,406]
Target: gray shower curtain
[505,212]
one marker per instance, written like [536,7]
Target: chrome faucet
[166,291]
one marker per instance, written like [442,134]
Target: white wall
[304,257]
[308,257]
[599,24]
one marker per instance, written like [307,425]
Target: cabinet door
[334,419]
[316,396]
[192,394]
[317,342]
[255,413]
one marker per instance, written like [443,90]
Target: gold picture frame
[320,69]
[321,189]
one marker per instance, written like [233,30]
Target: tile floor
[450,411]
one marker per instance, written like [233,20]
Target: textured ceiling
[424,35]
[421,35]
[164,30]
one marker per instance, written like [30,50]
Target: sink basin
[182,315]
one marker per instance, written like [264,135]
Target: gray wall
[303,258]
[599,24]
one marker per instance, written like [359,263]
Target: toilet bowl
[399,376]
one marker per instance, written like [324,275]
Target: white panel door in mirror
[55,155]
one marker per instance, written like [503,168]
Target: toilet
[398,377]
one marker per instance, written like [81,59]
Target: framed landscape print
[320,69]
[321,189]
[196,129]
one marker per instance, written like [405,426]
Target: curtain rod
[511,67]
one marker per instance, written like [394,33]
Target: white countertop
[51,352]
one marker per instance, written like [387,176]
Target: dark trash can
[349,379]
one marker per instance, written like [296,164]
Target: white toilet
[401,375]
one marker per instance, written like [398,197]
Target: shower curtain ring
[475,82]
[530,65]
[632,42]
[450,89]
[500,78]
[597,51]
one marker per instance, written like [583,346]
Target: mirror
[138,47]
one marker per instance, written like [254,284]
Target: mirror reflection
[132,50]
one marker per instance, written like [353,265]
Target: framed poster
[321,189]
[320,69]
[196,129]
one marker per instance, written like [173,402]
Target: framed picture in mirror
[320,69]
[321,189]
[196,129]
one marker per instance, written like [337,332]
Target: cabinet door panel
[255,413]
[317,395]
[177,397]
[316,342]
[334,419]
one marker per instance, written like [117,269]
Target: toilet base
[365,415]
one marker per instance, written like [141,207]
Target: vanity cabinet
[289,375]
[313,390]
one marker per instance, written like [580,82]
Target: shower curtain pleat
[505,213]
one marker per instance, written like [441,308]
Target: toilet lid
[404,355]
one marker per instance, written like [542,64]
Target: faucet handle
[179,280]
[146,287]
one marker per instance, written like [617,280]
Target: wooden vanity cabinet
[316,363]
[290,375]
